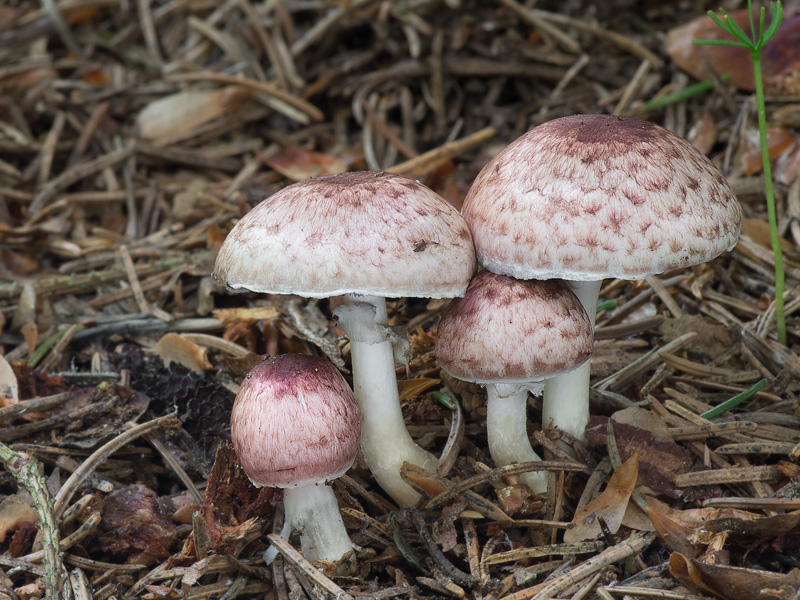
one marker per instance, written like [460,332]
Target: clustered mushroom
[580,199]
[589,197]
[367,236]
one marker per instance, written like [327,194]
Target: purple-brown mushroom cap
[587,197]
[295,422]
[506,330]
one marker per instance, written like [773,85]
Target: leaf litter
[131,139]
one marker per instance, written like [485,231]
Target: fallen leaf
[609,505]
[676,536]
[173,347]
[444,532]
[518,500]
[758,527]
[409,388]
[758,231]
[734,583]
[179,113]
[779,56]
[712,338]
[17,513]
[787,167]
[9,388]
[246,316]
[133,526]
[297,164]
[660,462]
[779,140]
[703,134]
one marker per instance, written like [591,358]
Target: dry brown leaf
[635,518]
[297,164]
[173,347]
[30,331]
[659,461]
[414,387]
[779,140]
[734,583]
[134,526]
[787,167]
[758,231]
[779,57]
[610,505]
[246,316]
[182,112]
[676,536]
[17,512]
[9,388]
[703,134]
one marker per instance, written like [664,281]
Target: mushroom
[295,425]
[510,336]
[588,197]
[369,236]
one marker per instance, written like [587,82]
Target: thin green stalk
[771,216]
[735,401]
[755,45]
[686,93]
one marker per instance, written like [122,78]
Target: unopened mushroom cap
[593,196]
[505,330]
[295,422]
[363,233]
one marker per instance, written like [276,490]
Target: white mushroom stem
[314,512]
[506,428]
[565,404]
[385,441]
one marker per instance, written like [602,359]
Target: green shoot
[607,305]
[755,45]
[690,91]
[735,401]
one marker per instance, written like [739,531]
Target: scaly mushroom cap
[593,196]
[505,330]
[295,422]
[362,233]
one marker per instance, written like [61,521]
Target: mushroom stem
[314,512]
[385,441]
[506,427]
[565,403]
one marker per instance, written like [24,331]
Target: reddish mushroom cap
[365,232]
[593,196]
[505,330]
[295,422]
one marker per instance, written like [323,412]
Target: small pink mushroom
[295,425]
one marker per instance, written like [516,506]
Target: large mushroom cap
[295,422]
[363,233]
[593,196]
[509,331]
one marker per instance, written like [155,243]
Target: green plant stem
[735,401]
[28,472]
[688,92]
[773,220]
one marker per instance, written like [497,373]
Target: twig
[29,472]
[98,456]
